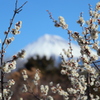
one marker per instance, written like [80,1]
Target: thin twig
[34,95]
[96,66]
[20,8]
[30,91]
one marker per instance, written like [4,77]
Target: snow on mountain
[50,45]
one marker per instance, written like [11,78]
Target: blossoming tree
[82,75]
[83,72]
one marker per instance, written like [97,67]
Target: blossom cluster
[8,66]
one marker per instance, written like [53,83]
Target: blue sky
[36,21]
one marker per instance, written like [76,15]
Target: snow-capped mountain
[49,45]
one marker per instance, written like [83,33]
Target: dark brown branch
[17,10]
[88,86]
[16,4]
[20,8]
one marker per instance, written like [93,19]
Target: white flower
[91,13]
[61,18]
[7,93]
[95,46]
[75,35]
[81,21]
[94,26]
[63,72]
[36,77]
[60,92]
[54,90]
[97,83]
[62,23]
[65,26]
[11,82]
[51,83]
[98,6]
[84,98]
[24,89]
[24,74]
[15,31]
[91,95]
[1,96]
[85,59]
[94,34]
[35,82]
[65,94]
[71,90]
[97,97]
[6,68]
[12,65]
[49,98]
[21,54]
[66,98]
[21,98]
[8,41]
[95,89]
[91,83]
[44,89]
[93,58]
[18,25]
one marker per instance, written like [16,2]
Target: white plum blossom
[18,25]
[8,67]
[24,88]
[9,40]
[44,89]
[10,83]
[62,22]
[1,96]
[24,74]
[95,46]
[36,77]
[98,6]
[71,91]
[21,99]
[84,98]
[94,34]
[17,28]
[49,98]
[51,83]
[21,54]
[81,21]
[7,93]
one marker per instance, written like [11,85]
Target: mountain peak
[49,45]
[52,38]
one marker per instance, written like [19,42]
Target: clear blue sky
[36,20]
